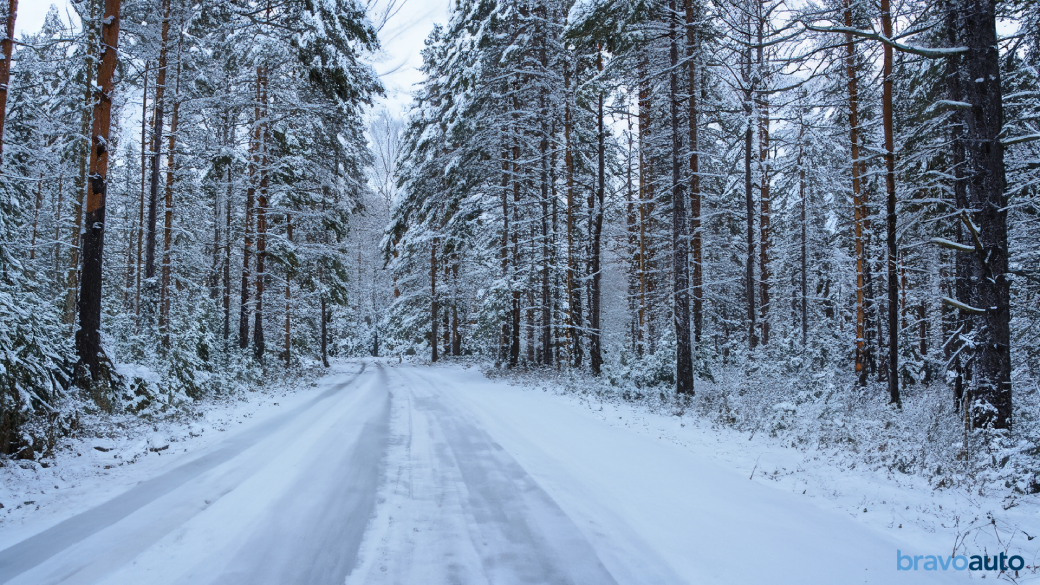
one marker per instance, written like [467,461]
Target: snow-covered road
[412,475]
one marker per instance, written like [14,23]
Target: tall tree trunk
[456,337]
[632,231]
[288,295]
[557,332]
[84,152]
[130,229]
[160,92]
[961,327]
[546,325]
[446,335]
[57,228]
[890,187]
[574,320]
[680,227]
[504,341]
[167,258]
[514,331]
[858,200]
[433,299]
[88,338]
[764,219]
[546,357]
[259,345]
[904,284]
[227,258]
[36,217]
[217,249]
[762,103]
[646,206]
[324,329]
[804,256]
[7,46]
[140,216]
[692,51]
[750,85]
[595,353]
[531,353]
[247,251]
[985,271]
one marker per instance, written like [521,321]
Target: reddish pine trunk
[84,152]
[7,46]
[88,338]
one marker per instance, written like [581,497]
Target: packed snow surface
[400,473]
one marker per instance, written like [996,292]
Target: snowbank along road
[409,474]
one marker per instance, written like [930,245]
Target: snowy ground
[398,473]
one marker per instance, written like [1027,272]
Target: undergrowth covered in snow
[926,437]
[144,399]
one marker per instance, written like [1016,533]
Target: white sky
[397,64]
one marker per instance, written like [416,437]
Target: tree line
[178,180]
[671,188]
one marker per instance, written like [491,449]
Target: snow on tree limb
[928,52]
[951,245]
[963,307]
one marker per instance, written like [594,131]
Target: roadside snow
[437,474]
[111,458]
[591,465]
[952,520]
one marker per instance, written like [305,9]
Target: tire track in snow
[459,509]
[36,550]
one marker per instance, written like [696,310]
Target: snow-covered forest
[769,210]
[816,220]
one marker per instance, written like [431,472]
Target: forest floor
[408,473]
